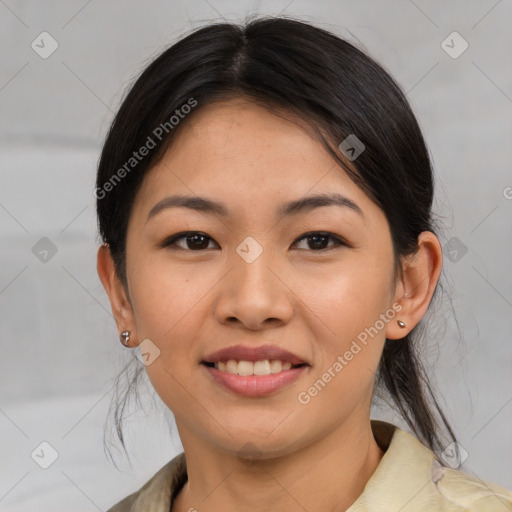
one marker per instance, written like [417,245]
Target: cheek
[350,297]
[347,321]
[348,347]
[162,294]
[168,311]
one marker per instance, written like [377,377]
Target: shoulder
[469,493]
[157,493]
[410,478]
[451,489]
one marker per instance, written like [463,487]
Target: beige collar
[408,478]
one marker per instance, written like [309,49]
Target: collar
[409,478]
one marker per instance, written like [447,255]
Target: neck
[327,475]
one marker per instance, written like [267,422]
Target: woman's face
[253,278]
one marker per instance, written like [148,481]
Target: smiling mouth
[248,368]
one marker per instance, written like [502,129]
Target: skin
[311,301]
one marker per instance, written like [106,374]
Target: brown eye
[194,241]
[317,241]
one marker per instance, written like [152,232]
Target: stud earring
[400,324]
[125,338]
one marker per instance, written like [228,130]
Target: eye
[197,241]
[318,240]
[194,241]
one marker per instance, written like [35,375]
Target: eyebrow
[210,207]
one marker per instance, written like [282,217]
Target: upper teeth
[264,367]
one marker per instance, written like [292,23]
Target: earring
[400,324]
[125,338]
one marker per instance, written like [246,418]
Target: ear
[415,288]
[121,305]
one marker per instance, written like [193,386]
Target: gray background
[59,344]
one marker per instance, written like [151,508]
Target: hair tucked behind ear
[338,91]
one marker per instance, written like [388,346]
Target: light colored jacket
[408,478]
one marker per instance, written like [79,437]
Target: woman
[264,195]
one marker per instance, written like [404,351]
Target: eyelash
[171,241]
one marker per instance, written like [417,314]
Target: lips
[254,371]
[245,353]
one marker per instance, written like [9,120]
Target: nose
[254,294]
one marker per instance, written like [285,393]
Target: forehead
[240,145]
[253,160]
